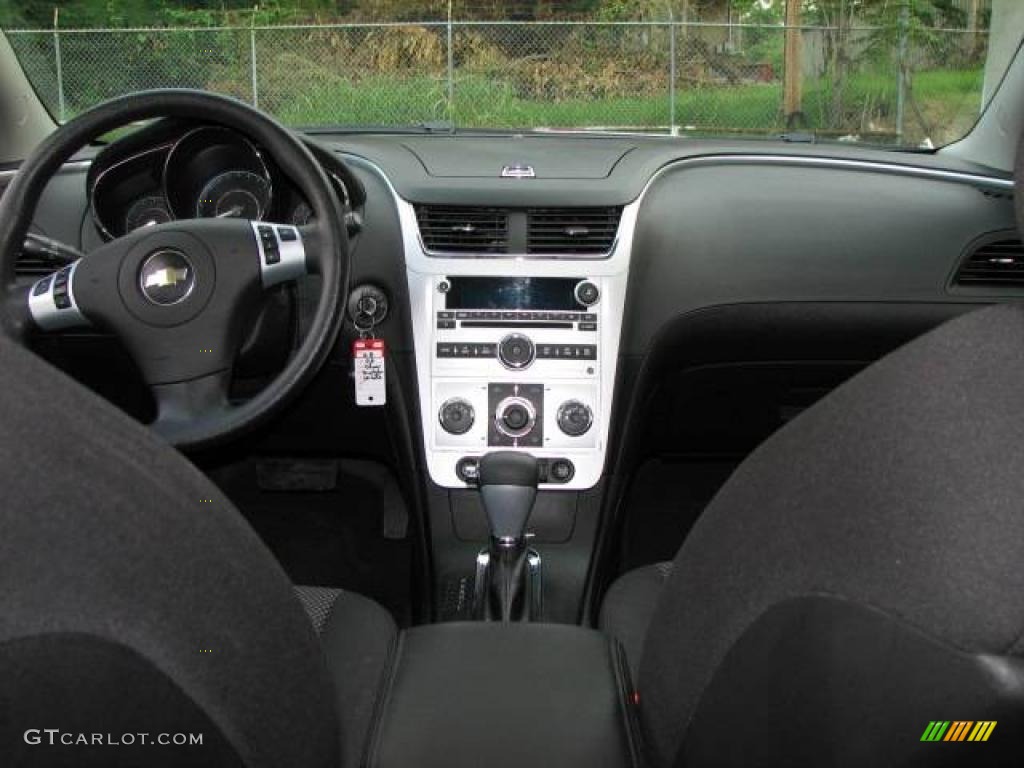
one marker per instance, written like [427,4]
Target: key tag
[370,372]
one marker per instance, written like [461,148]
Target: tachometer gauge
[145,212]
[234,194]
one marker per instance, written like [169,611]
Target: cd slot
[514,324]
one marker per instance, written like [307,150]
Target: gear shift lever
[508,484]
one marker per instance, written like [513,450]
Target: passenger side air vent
[1000,262]
[571,230]
[463,229]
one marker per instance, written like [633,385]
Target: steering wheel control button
[281,258]
[574,418]
[42,287]
[271,252]
[516,351]
[167,277]
[587,293]
[457,416]
[52,303]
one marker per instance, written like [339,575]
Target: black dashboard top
[574,169]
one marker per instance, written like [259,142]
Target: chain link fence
[898,85]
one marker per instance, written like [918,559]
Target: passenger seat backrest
[859,575]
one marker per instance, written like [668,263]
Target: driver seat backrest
[859,576]
[135,599]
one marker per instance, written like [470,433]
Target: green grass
[946,100]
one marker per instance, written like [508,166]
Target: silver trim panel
[44,309]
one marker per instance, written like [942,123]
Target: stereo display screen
[531,293]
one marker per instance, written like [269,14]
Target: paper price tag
[371,384]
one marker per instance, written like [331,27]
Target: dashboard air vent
[463,229]
[1000,262]
[34,266]
[571,230]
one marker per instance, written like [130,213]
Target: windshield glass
[902,73]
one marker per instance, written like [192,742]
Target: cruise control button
[41,287]
[62,300]
[287,234]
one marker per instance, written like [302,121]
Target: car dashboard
[522,270]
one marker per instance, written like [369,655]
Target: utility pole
[972,26]
[793,91]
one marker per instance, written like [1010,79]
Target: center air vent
[998,262]
[571,230]
[463,229]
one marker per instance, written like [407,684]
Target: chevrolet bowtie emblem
[167,277]
[162,278]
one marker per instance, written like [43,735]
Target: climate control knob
[574,418]
[515,417]
[515,351]
[456,416]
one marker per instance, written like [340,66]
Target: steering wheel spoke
[286,252]
[52,302]
[180,404]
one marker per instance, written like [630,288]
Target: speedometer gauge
[234,194]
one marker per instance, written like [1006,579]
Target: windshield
[902,73]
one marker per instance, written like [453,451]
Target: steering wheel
[182,295]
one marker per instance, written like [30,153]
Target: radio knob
[515,417]
[574,418]
[515,351]
[587,293]
[457,416]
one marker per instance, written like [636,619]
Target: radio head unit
[513,293]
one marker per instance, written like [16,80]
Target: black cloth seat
[136,599]
[629,606]
[857,578]
[358,637]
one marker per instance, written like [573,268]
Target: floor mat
[331,537]
[664,501]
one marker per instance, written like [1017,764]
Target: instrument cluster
[189,172]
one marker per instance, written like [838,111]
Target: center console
[505,695]
[516,351]
[515,364]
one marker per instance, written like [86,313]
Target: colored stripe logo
[958,730]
